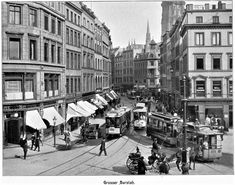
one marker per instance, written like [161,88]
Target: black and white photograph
[117,92]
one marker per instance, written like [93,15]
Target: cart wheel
[128,162]
[133,168]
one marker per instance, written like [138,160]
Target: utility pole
[184,152]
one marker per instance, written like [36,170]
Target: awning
[82,105]
[71,112]
[109,96]
[80,110]
[50,113]
[90,105]
[101,99]
[98,104]
[113,93]
[34,120]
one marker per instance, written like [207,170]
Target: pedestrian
[102,147]
[33,141]
[185,169]
[178,158]
[155,147]
[24,145]
[37,146]
[192,156]
[141,166]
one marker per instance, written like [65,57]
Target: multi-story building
[106,62]
[98,55]
[203,52]
[171,11]
[146,73]
[88,54]
[33,64]
[48,62]
[128,56]
[73,51]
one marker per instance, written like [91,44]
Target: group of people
[35,142]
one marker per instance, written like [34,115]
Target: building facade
[201,48]
[33,63]
[73,51]
[48,61]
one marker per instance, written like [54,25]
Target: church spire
[148,37]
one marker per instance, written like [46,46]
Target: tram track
[73,159]
[100,162]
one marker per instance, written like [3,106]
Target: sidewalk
[15,151]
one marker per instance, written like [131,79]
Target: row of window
[53,23]
[215,39]
[88,24]
[88,60]
[128,71]
[216,62]
[73,17]
[73,60]
[22,86]
[217,88]
[52,52]
[215,19]
[88,41]
[73,37]
[73,84]
[51,49]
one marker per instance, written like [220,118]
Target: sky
[127,19]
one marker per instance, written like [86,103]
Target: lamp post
[54,121]
[184,152]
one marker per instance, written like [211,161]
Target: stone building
[200,47]
[33,65]
[48,61]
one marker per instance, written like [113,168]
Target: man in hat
[102,147]
[141,166]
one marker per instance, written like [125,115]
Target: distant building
[200,47]
[146,73]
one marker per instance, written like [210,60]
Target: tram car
[165,127]
[207,142]
[140,116]
[117,120]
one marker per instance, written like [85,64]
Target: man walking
[24,145]
[102,147]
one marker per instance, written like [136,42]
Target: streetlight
[54,121]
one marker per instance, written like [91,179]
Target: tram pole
[184,152]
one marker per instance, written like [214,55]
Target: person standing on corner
[102,147]
[24,145]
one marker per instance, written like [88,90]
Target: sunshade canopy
[34,120]
[71,112]
[52,116]
[82,105]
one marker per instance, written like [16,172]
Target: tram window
[219,141]
[213,141]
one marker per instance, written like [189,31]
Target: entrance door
[13,134]
[230,119]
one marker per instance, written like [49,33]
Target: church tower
[148,39]
[171,11]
